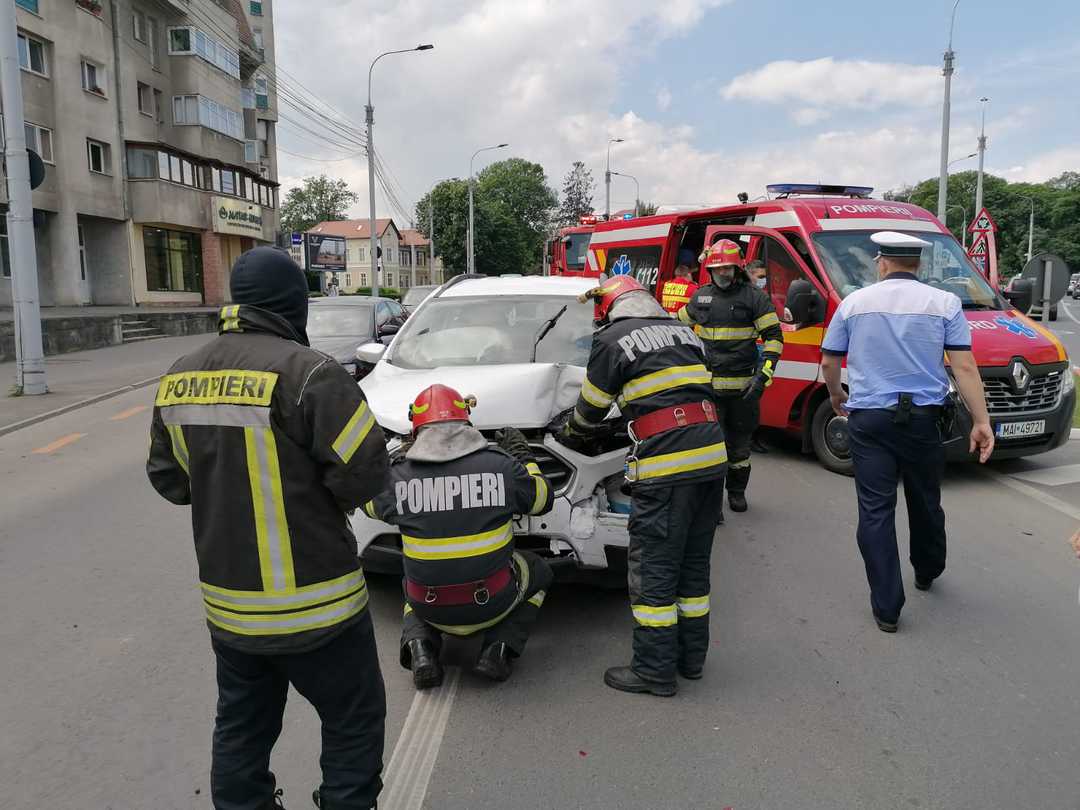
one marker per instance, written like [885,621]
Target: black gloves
[756,388]
[571,438]
[513,441]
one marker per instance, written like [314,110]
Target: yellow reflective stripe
[306,596]
[726,332]
[231,386]
[271,528]
[673,377]
[693,606]
[730,383]
[650,616]
[179,447]
[408,609]
[469,629]
[739,465]
[354,432]
[541,487]
[766,320]
[451,548]
[369,509]
[229,319]
[701,458]
[775,346]
[537,598]
[594,396]
[684,316]
[278,624]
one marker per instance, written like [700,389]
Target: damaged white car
[520,346]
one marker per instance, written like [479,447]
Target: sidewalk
[78,376]
[7,314]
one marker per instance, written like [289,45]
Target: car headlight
[351,368]
[1070,378]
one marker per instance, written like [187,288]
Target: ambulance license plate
[1014,430]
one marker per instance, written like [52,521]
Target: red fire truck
[565,254]
[815,243]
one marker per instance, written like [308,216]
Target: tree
[451,203]
[319,199]
[646,209]
[577,195]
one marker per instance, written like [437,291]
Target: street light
[962,159]
[637,189]
[963,225]
[982,155]
[947,69]
[607,178]
[472,232]
[1031,224]
[370,111]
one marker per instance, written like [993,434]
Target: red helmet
[723,252]
[439,403]
[610,291]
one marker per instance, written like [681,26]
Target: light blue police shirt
[895,333]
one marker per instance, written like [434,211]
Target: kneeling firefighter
[454,498]
[730,314]
[654,369]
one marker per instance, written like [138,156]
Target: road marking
[1037,494]
[409,771]
[63,441]
[1068,311]
[1052,476]
[127,413]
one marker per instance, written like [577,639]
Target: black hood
[269,279]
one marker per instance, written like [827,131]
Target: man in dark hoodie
[271,443]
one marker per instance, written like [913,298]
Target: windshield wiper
[547,327]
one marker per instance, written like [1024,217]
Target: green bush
[384,292]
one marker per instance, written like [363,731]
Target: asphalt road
[108,694]
[1067,328]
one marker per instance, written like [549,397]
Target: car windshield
[415,295]
[489,331]
[324,321]
[849,261]
[576,249]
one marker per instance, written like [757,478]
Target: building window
[348,279]
[82,253]
[92,6]
[173,260]
[228,182]
[389,250]
[363,277]
[32,5]
[262,93]
[247,98]
[100,156]
[251,151]
[187,41]
[163,165]
[360,253]
[93,78]
[5,254]
[152,42]
[32,55]
[180,41]
[389,279]
[146,98]
[256,34]
[255,7]
[40,140]
[143,164]
[138,26]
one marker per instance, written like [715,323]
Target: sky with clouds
[712,97]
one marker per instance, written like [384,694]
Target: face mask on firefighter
[760,283]
[723,277]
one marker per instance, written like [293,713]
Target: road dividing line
[1068,311]
[63,441]
[1052,476]
[127,413]
[417,749]
[1036,494]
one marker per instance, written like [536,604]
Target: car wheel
[829,436]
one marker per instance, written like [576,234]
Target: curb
[74,406]
[1075,435]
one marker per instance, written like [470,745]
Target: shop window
[142,163]
[100,156]
[5,253]
[146,98]
[32,55]
[138,26]
[32,5]
[40,140]
[173,260]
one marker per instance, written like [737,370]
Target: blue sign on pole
[297,239]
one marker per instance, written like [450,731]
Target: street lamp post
[963,225]
[982,156]
[637,189]
[370,112]
[943,180]
[607,178]
[472,232]
[1031,226]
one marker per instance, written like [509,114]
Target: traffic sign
[297,238]
[37,168]
[982,223]
[979,247]
[1058,281]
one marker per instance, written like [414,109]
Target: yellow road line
[63,441]
[127,413]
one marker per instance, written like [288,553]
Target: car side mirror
[1022,294]
[389,328]
[370,353]
[804,303]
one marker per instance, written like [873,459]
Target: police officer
[678,291]
[895,335]
[654,368]
[271,443]
[730,315]
[454,498]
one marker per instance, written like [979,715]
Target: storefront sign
[238,217]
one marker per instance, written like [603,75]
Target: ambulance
[565,254]
[815,243]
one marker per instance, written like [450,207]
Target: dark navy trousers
[885,453]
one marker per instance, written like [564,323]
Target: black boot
[626,680]
[737,501]
[494,662]
[691,674]
[426,669]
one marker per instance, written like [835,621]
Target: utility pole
[1031,227]
[431,236]
[982,157]
[943,180]
[607,178]
[29,354]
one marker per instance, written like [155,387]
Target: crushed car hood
[521,395]
[342,349]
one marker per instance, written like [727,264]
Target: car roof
[346,300]
[524,285]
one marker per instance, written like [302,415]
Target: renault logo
[1020,375]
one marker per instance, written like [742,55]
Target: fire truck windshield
[849,260]
[576,249]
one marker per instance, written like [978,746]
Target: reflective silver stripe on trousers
[260,437]
[219,415]
[323,616]
[321,594]
[718,455]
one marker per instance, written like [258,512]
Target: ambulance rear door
[635,250]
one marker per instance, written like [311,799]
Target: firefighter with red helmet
[454,498]
[654,368]
[730,314]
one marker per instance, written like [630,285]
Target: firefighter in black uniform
[730,315]
[654,368]
[271,443]
[454,499]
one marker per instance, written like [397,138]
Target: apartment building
[402,250]
[156,120]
